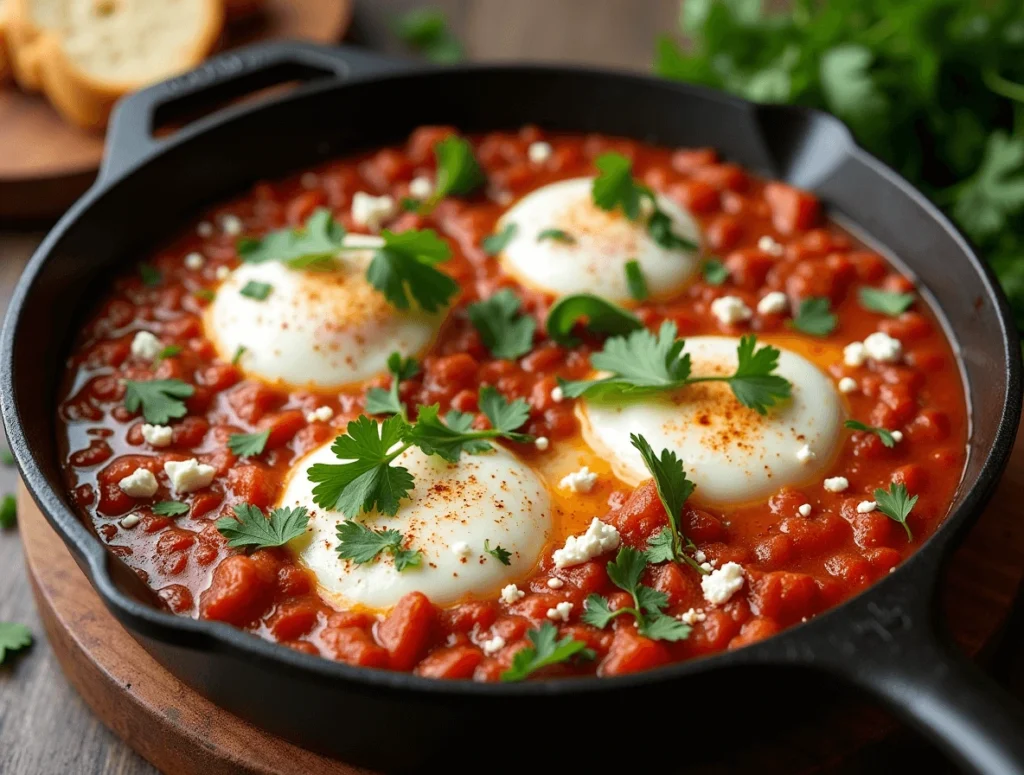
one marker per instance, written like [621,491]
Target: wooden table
[44,725]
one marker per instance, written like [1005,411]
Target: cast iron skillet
[884,641]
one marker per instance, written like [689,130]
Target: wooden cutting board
[46,163]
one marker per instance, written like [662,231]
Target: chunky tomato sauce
[795,566]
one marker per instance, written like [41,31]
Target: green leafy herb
[458,172]
[256,290]
[8,512]
[661,546]
[160,399]
[204,294]
[884,434]
[13,637]
[814,317]
[896,504]
[546,650]
[635,280]
[170,509]
[380,401]
[714,272]
[239,352]
[248,444]
[150,276]
[251,528]
[642,363]
[504,556]
[405,267]
[449,439]
[409,204]
[314,246]
[556,235]
[6,458]
[496,243]
[601,316]
[504,331]
[891,303]
[360,544]
[425,30]
[169,351]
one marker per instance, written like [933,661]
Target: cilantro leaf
[380,401]
[598,613]
[601,317]
[448,439]
[615,187]
[504,556]
[714,272]
[626,569]
[360,544]
[250,527]
[256,290]
[674,488]
[313,246]
[889,303]
[248,444]
[884,434]
[556,235]
[368,480]
[168,352]
[506,417]
[425,30]
[754,384]
[496,243]
[405,267]
[814,317]
[896,504]
[170,509]
[160,399]
[659,626]
[8,512]
[13,637]
[660,547]
[504,331]
[636,283]
[458,172]
[546,650]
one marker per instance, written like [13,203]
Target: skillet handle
[229,76]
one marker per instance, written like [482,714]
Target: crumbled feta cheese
[321,414]
[805,454]
[194,261]
[461,548]
[693,616]
[222,273]
[189,475]
[130,521]
[730,309]
[721,584]
[557,394]
[768,245]
[579,481]
[699,556]
[836,483]
[854,354]
[866,507]
[146,346]
[883,348]
[560,612]
[309,180]
[494,645]
[371,211]
[140,483]
[539,152]
[512,594]
[421,187]
[598,539]
[231,225]
[897,436]
[555,583]
[805,510]
[774,303]
[157,435]
[204,229]
[847,385]
[541,443]
[707,566]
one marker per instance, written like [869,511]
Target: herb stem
[1002,86]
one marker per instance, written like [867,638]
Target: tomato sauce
[795,566]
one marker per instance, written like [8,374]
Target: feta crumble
[693,616]
[157,435]
[866,507]
[493,646]
[204,229]
[560,612]
[461,549]
[836,483]
[146,346]
[723,583]
[321,414]
[579,481]
[539,152]
[512,594]
[598,539]
[768,245]
[421,187]
[854,354]
[897,436]
[222,273]
[140,483]
[555,583]
[130,521]
[699,556]
[805,510]
[557,394]
[805,454]
[541,443]
[194,261]
[371,211]
[730,309]
[774,303]
[847,385]
[189,475]
[231,225]
[883,348]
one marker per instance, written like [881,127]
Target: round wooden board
[47,163]
[182,733]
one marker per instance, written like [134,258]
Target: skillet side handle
[218,81]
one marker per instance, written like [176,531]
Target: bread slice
[85,54]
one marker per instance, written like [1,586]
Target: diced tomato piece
[466,617]
[782,595]
[756,629]
[793,210]
[238,594]
[293,618]
[252,400]
[354,646]
[454,663]
[283,426]
[253,484]
[641,515]
[632,653]
[405,631]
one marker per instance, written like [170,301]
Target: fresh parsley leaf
[546,650]
[315,245]
[248,444]
[504,556]
[661,546]
[659,626]
[425,30]
[405,267]
[556,235]
[449,439]
[239,352]
[170,509]
[636,283]
[160,399]
[8,512]
[891,303]
[458,172]
[6,457]
[884,434]
[150,276]
[659,227]
[674,488]
[256,290]
[360,544]
[814,317]
[754,384]
[601,317]
[409,204]
[896,504]
[13,637]
[504,331]
[506,417]
[251,528]
[714,272]
[169,351]
[597,611]
[627,568]
[380,401]
[368,480]
[496,243]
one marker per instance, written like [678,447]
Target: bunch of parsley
[933,87]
